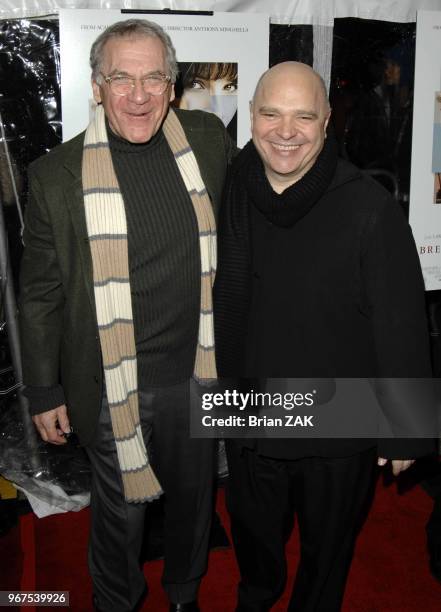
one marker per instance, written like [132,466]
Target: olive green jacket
[58,328]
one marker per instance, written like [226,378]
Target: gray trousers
[185,469]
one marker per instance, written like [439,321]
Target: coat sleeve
[394,289]
[40,304]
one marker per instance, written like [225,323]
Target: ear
[325,125]
[96,92]
[251,114]
[172,93]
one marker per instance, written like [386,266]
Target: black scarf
[248,185]
[296,201]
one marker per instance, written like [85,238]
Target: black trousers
[263,496]
[185,469]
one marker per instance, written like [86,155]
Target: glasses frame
[109,79]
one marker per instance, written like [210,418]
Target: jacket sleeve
[394,289]
[40,304]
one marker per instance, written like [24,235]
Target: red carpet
[389,573]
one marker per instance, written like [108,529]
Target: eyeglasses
[122,85]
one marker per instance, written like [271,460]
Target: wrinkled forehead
[133,46]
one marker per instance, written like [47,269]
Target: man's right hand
[53,424]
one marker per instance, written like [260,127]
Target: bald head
[292,71]
[289,116]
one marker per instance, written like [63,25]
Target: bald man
[318,278]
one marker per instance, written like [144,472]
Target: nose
[138,93]
[287,127]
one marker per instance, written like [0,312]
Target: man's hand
[398,465]
[53,424]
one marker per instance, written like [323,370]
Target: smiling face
[289,116]
[139,115]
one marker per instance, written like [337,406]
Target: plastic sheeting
[63,481]
[314,12]
[30,89]
[30,113]
[30,119]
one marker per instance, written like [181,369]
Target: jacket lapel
[75,204]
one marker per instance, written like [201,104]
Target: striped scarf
[107,231]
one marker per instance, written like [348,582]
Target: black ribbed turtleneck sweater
[164,260]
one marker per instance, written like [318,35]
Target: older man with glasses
[116,309]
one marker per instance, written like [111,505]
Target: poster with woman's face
[212,87]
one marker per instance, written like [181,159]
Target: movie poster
[221,56]
[425,187]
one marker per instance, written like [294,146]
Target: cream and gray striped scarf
[107,231]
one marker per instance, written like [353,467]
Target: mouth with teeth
[285,147]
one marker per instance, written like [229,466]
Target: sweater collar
[288,207]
